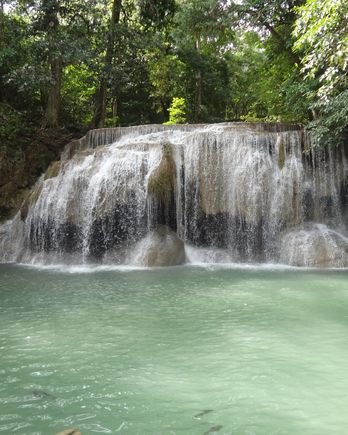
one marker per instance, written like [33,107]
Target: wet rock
[162,181]
[223,187]
[327,206]
[53,169]
[70,237]
[30,199]
[307,205]
[10,239]
[125,225]
[162,190]
[314,246]
[208,229]
[281,152]
[161,247]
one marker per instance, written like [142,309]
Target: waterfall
[232,192]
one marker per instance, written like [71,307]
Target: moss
[53,170]
[163,179]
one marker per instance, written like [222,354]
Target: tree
[177,111]
[54,34]
[156,13]
[322,36]
[272,17]
[101,97]
[322,40]
[50,24]
[203,30]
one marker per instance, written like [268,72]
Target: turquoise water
[173,351]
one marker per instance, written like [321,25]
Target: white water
[243,193]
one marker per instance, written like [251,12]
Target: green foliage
[157,13]
[226,60]
[167,75]
[322,40]
[330,128]
[250,60]
[177,111]
[12,124]
[203,24]
[276,95]
[79,87]
[322,35]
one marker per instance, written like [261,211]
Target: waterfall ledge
[249,191]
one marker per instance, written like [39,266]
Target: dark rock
[162,190]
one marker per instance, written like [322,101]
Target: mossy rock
[11,199]
[30,199]
[162,181]
[53,170]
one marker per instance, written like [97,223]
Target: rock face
[161,189]
[161,247]
[314,246]
[245,189]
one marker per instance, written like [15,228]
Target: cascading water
[232,192]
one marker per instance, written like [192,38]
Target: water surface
[186,350]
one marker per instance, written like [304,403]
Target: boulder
[314,246]
[161,247]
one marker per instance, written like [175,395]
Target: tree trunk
[2,44]
[2,20]
[294,57]
[101,96]
[199,86]
[51,117]
[198,95]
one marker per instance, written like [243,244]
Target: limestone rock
[161,247]
[314,246]
[162,182]
[53,169]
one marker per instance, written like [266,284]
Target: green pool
[186,350]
